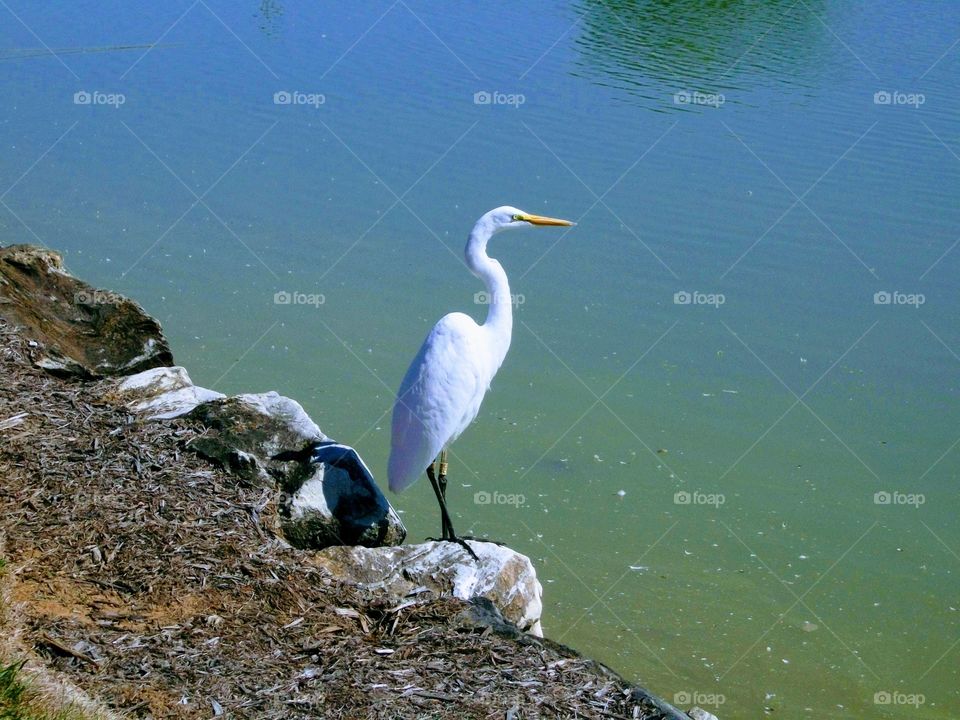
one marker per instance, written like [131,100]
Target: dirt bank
[153,582]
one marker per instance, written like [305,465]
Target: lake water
[751,332]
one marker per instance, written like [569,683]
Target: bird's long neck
[500,312]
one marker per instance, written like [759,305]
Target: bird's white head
[506,216]
[490,223]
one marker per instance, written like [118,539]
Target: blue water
[777,163]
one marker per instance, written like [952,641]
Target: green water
[719,148]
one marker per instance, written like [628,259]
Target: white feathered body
[442,392]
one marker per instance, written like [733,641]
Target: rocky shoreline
[158,562]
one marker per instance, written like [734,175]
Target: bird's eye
[517,218]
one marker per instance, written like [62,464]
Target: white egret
[441,393]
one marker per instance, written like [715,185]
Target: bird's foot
[462,542]
[483,539]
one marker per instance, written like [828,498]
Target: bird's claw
[482,539]
[462,542]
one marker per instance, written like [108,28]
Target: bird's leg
[440,490]
[446,527]
[442,473]
[442,483]
[442,465]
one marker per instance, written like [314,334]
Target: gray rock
[245,431]
[503,576]
[78,330]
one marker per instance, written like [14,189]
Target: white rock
[502,575]
[698,713]
[285,409]
[163,393]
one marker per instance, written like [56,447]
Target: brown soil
[153,582]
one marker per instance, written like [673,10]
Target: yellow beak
[542,220]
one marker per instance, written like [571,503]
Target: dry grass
[147,579]
[30,691]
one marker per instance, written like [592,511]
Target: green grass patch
[19,702]
[14,697]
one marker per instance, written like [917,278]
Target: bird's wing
[439,396]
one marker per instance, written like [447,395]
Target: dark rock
[80,330]
[330,498]
[245,431]
[483,612]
